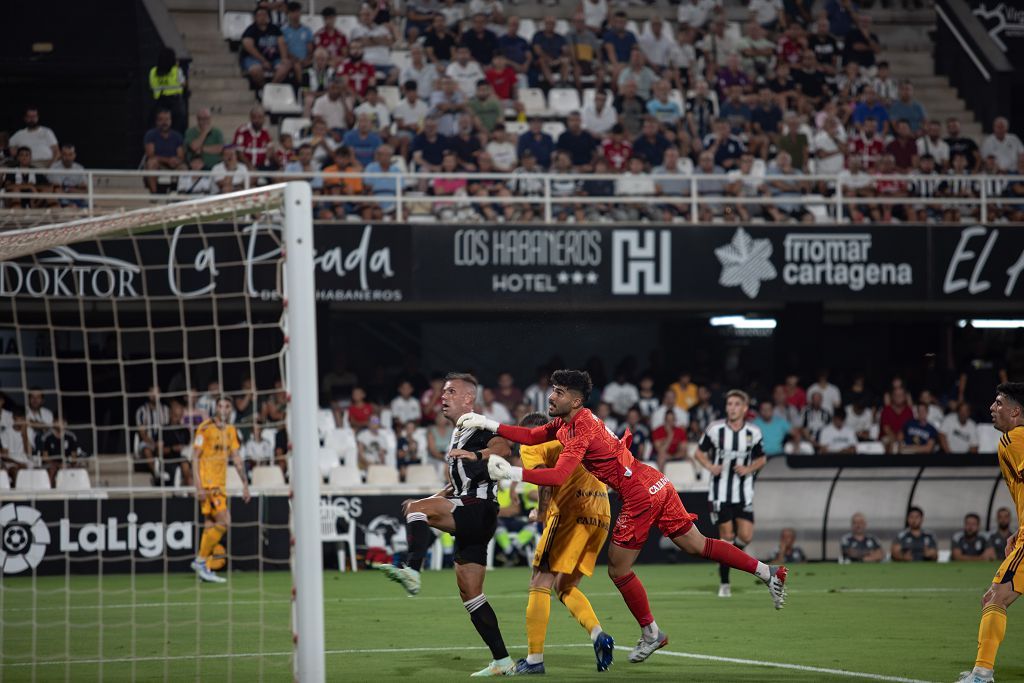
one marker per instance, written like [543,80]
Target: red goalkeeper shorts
[662,508]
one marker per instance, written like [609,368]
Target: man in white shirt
[405,407]
[959,433]
[831,398]
[598,117]
[40,139]
[932,143]
[696,13]
[656,43]
[621,395]
[668,402]
[419,70]
[828,146]
[860,420]
[332,107]
[375,446]
[228,174]
[494,409]
[502,150]
[376,40]
[409,115]
[465,72]
[837,437]
[765,12]
[1002,144]
[374,106]
[38,416]
[15,446]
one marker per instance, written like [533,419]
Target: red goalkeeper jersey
[585,439]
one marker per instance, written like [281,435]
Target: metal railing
[105,191]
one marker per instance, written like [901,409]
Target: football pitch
[841,623]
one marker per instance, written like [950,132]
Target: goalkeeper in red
[648,497]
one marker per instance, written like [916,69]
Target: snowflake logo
[746,262]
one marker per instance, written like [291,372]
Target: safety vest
[166,85]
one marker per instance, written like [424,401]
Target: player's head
[532,420]
[915,516]
[569,391]
[972,522]
[736,404]
[1008,408]
[458,394]
[224,408]
[1003,518]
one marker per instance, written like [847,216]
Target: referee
[732,451]
[467,508]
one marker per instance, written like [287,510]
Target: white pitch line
[408,650]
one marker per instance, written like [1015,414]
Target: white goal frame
[295,201]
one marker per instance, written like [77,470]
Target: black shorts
[727,512]
[475,523]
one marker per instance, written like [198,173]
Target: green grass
[915,621]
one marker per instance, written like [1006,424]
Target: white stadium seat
[328,460]
[267,476]
[870,448]
[553,128]
[294,125]
[279,98]
[5,481]
[401,59]
[564,101]
[234,24]
[988,438]
[516,128]
[341,477]
[32,480]
[527,28]
[314,22]
[562,27]
[330,516]
[421,474]
[345,23]
[589,95]
[74,479]
[681,474]
[390,94]
[234,482]
[533,101]
[381,475]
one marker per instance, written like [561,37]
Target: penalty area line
[409,650]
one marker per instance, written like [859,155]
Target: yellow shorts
[571,544]
[1010,571]
[214,502]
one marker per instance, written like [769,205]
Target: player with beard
[467,508]
[648,498]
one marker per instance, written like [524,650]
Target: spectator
[651,144]
[814,417]
[447,104]
[446,184]
[494,409]
[675,191]
[850,85]
[717,43]
[618,43]
[439,436]
[550,56]
[333,41]
[919,436]
[779,186]
[298,42]
[363,139]
[263,50]
[641,435]
[252,140]
[858,545]
[408,448]
[860,419]
[791,44]
[63,178]
[620,394]
[969,545]
[903,147]
[593,12]
[869,108]
[376,40]
[164,149]
[913,543]
[793,142]
[439,42]
[1006,147]
[669,441]
[710,186]
[682,59]
[502,78]
[732,75]
[959,433]
[15,446]
[481,42]
[615,150]
[420,71]
[831,397]
[783,86]
[894,417]
[229,175]
[837,437]
[58,447]
[358,72]
[736,112]
[404,407]
[697,13]
[1001,535]
[332,108]
[420,16]
[485,108]
[765,123]
[306,166]
[861,44]
[885,86]
[502,150]
[40,140]
[507,392]
[344,177]
[465,72]
[867,147]
[204,139]
[925,184]
[150,419]
[466,144]
[811,79]
[537,142]
[321,142]
[908,109]
[375,447]
[585,53]
[383,187]
[578,143]
[655,44]
[703,413]
[787,551]
[380,115]
[666,111]
[932,144]
[429,146]
[774,429]
[669,405]
[956,185]
[959,144]
[636,70]
[631,107]
[195,182]
[359,409]
[825,47]
[167,84]
[649,401]
[23,180]
[748,182]
[491,11]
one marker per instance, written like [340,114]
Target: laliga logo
[23,538]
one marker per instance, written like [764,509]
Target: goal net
[118,335]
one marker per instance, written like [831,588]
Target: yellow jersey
[1011,463]
[580,496]
[211,449]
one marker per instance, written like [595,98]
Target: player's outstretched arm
[523,435]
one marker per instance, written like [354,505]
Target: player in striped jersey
[1008,583]
[731,449]
[467,508]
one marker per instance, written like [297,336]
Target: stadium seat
[345,540]
[870,448]
[343,477]
[345,23]
[633,27]
[988,438]
[234,482]
[234,24]
[294,125]
[533,101]
[562,27]
[527,29]
[328,460]
[74,479]
[5,481]
[421,474]
[553,128]
[279,98]
[676,95]
[516,128]
[314,22]
[267,476]
[563,101]
[681,474]
[401,59]
[589,95]
[381,475]
[390,94]
[32,480]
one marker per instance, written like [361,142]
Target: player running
[1007,585]
[467,508]
[214,441]
[576,518]
[648,498]
[732,452]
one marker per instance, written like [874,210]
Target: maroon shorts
[662,508]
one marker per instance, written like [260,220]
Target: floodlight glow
[756,324]
[725,320]
[995,324]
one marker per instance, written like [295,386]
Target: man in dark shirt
[550,56]
[903,147]
[466,144]
[810,78]
[538,142]
[959,144]
[481,41]
[825,47]
[1002,533]
[651,144]
[788,552]
[726,147]
[970,546]
[515,48]
[915,544]
[428,147]
[580,144]
[765,120]
[439,42]
[783,84]
[164,148]
[261,50]
[919,436]
[860,546]
[57,448]
[631,107]
[860,44]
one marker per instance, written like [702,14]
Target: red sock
[636,598]
[728,554]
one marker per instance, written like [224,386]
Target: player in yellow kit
[1008,417]
[215,441]
[576,519]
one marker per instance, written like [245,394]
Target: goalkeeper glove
[477,421]
[499,468]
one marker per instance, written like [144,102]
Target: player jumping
[648,498]
[214,442]
[1008,417]
[467,508]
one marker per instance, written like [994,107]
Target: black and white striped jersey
[814,420]
[469,477]
[728,448]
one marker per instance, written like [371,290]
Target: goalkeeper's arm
[523,435]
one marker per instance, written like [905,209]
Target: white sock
[983,672]
[650,632]
[595,632]
[535,659]
[763,572]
